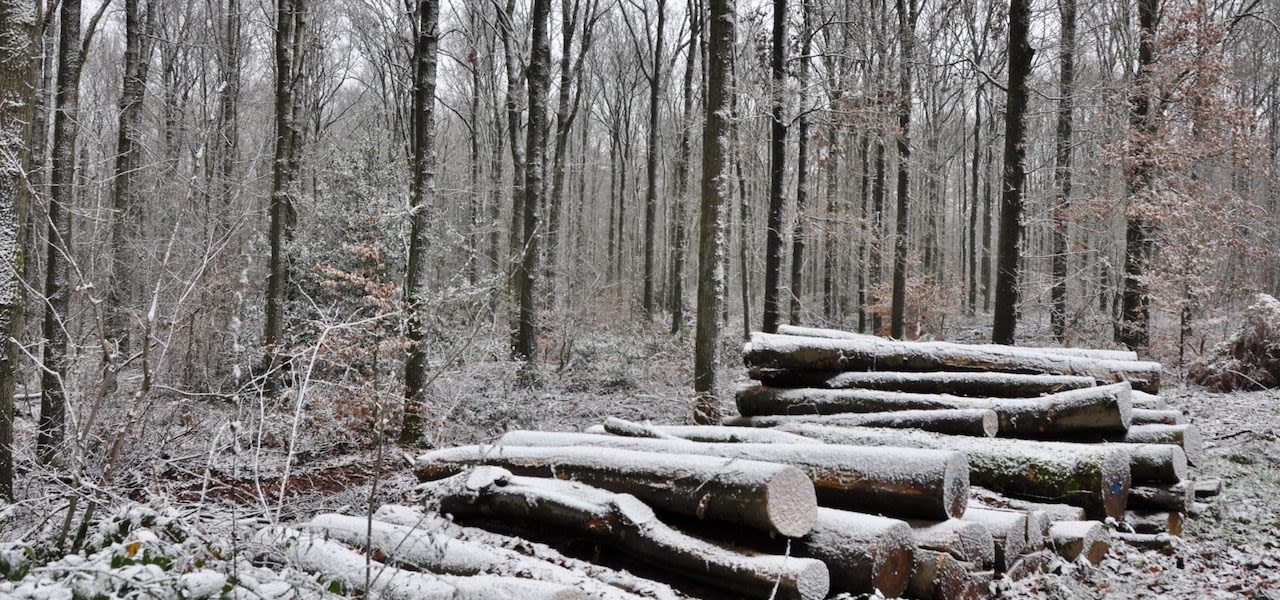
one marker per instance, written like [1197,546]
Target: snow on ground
[187,506]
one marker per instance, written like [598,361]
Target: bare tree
[908,12]
[1005,318]
[771,310]
[289,54]
[19,48]
[421,197]
[539,79]
[1062,166]
[715,195]
[1133,327]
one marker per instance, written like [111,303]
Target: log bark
[1052,512]
[1148,416]
[1074,540]
[977,422]
[1147,401]
[339,563]
[1177,497]
[709,433]
[1092,476]
[624,522]
[426,545]
[618,426]
[774,351]
[968,541]
[940,576]
[980,384]
[770,497]
[1186,437]
[1157,463]
[898,482]
[1149,521]
[1095,411]
[1008,532]
[524,548]
[836,334]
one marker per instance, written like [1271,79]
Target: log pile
[859,465]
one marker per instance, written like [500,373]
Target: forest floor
[1232,552]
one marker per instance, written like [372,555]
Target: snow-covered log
[1160,542]
[966,540]
[850,335]
[863,553]
[898,482]
[1186,436]
[1052,512]
[1147,401]
[767,496]
[1008,530]
[980,384]
[585,575]
[1207,488]
[426,546]
[1093,476]
[1147,416]
[336,562]
[979,422]
[1094,411]
[1157,463]
[623,521]
[618,426]
[941,576]
[729,434]
[1073,540]
[1154,521]
[1028,565]
[772,351]
[1177,497]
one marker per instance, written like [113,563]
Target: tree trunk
[770,497]
[684,159]
[978,422]
[289,46]
[20,30]
[139,33]
[802,170]
[512,56]
[980,384]
[1158,462]
[422,196]
[539,79]
[57,287]
[899,482]
[1133,328]
[624,522]
[773,351]
[1095,411]
[836,334]
[651,171]
[566,113]
[1005,317]
[972,302]
[722,23]
[1094,477]
[771,309]
[906,41]
[1062,167]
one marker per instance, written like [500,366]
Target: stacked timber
[1079,433]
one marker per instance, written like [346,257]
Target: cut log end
[1074,540]
[939,576]
[812,580]
[1116,479]
[790,499]
[955,489]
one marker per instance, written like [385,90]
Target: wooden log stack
[858,465]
